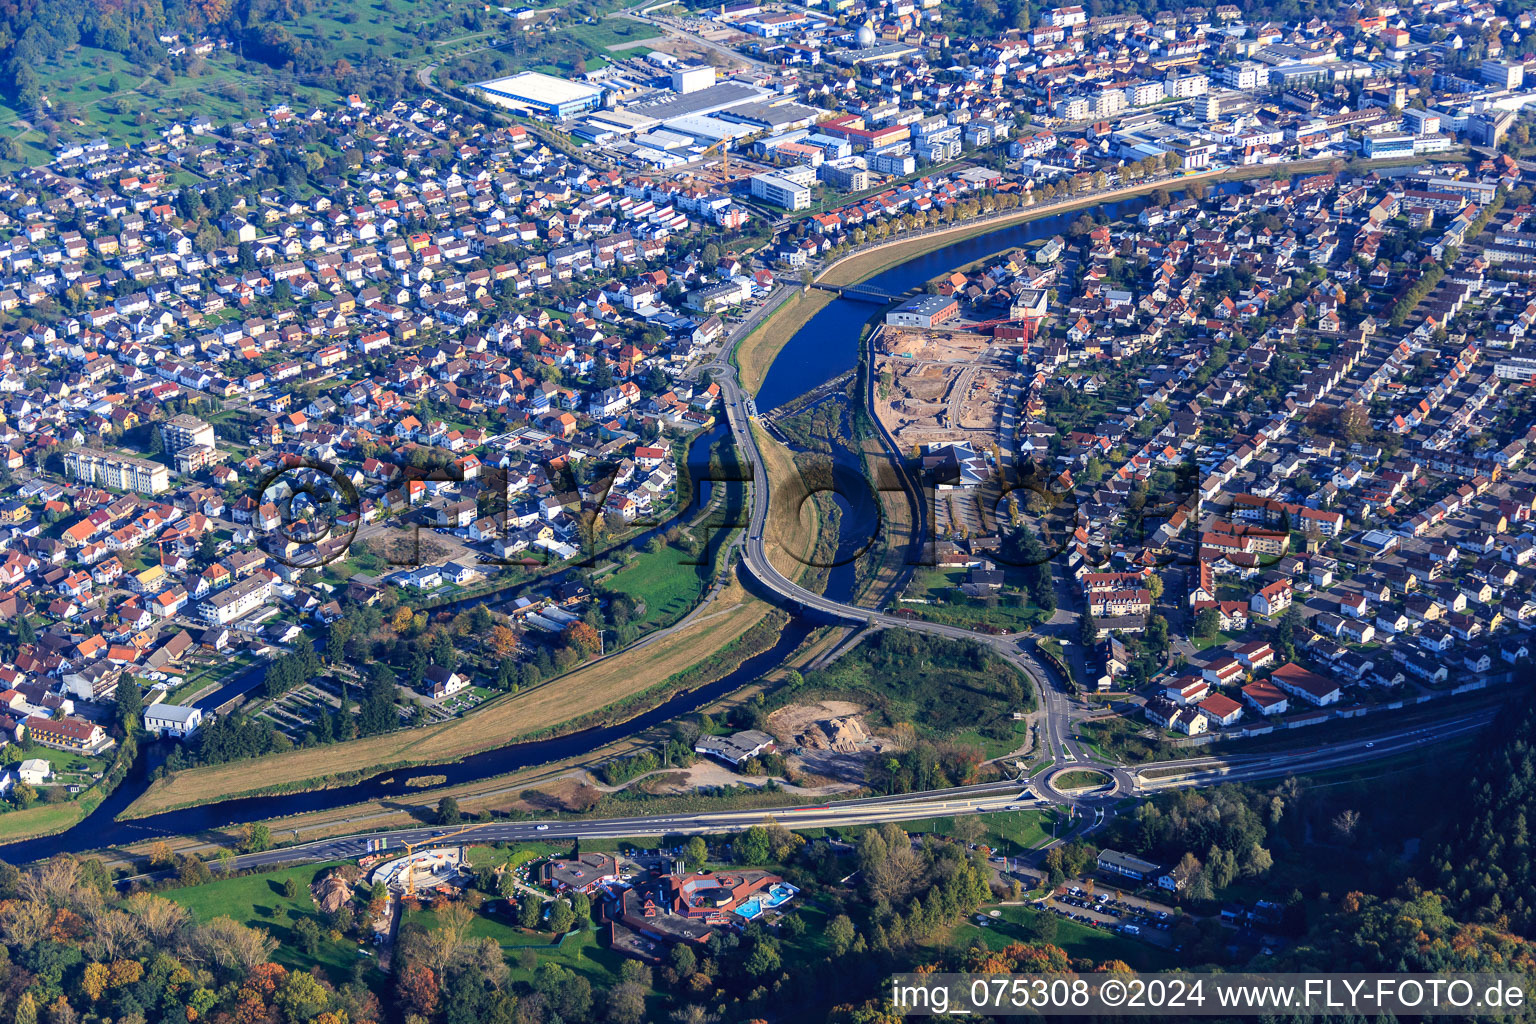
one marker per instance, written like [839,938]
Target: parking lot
[1128,915]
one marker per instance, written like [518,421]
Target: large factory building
[545,95]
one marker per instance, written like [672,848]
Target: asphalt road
[1097,807]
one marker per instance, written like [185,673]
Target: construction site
[828,739]
[433,871]
[947,386]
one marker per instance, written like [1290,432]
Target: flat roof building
[583,873]
[1117,863]
[186,430]
[780,191]
[236,600]
[112,469]
[554,98]
[923,311]
[1388,144]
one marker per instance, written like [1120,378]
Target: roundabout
[1073,783]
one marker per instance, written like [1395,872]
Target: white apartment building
[1503,74]
[780,191]
[1109,102]
[184,431]
[1245,76]
[1068,17]
[1183,87]
[111,469]
[1073,108]
[236,600]
[1143,93]
[1421,122]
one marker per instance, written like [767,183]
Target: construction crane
[410,850]
[724,148]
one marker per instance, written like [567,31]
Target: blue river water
[826,347]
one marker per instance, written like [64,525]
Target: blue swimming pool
[752,909]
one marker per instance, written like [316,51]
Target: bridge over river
[866,293]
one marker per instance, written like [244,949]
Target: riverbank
[795,528]
[557,706]
[44,820]
[755,353]
[502,793]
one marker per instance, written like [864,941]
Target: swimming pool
[780,893]
[777,895]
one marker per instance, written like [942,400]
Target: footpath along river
[824,348]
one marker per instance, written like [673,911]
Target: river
[824,348]
[828,344]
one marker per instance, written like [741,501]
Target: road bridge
[864,293]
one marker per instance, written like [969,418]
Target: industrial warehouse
[545,95]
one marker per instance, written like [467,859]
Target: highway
[987,796]
[982,798]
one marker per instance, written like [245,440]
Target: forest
[1484,867]
[32,31]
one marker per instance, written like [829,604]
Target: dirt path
[708,773]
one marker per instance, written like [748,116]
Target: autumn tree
[1354,422]
[840,934]
[301,997]
[626,1003]
[530,910]
[418,989]
[502,642]
[969,829]
[584,638]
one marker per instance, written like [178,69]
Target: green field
[610,32]
[408,31]
[1080,941]
[944,688]
[1080,779]
[581,951]
[941,587]
[258,901]
[661,582]
[44,819]
[79,87]
[68,766]
[224,87]
[1005,831]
